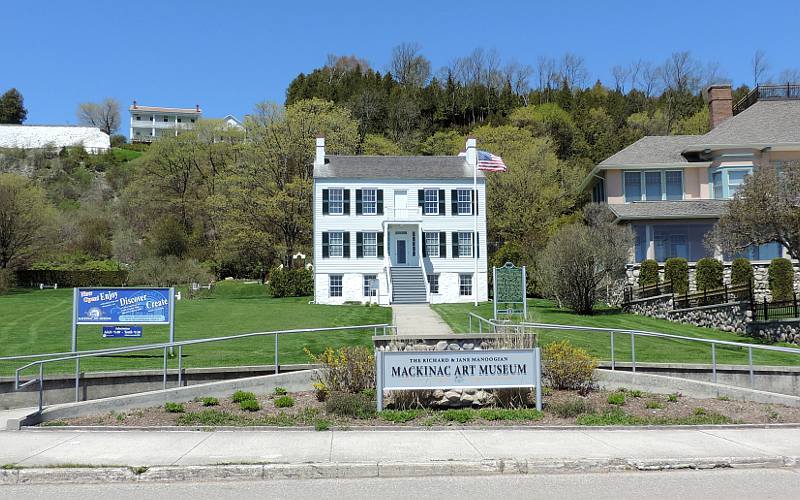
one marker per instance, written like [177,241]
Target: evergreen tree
[12,108]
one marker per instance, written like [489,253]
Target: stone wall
[732,317]
[785,330]
[451,398]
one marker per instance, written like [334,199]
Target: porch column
[651,245]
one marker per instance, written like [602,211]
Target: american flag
[491,163]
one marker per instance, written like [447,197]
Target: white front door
[400,204]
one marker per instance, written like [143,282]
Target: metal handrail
[167,347]
[643,333]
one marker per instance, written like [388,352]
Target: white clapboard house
[404,223]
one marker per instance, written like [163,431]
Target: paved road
[45,447]
[686,485]
[418,318]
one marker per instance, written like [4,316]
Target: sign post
[430,370]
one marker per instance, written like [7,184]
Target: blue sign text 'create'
[114,306]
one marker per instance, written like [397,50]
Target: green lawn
[37,321]
[647,349]
[126,154]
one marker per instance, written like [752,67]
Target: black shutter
[424,246]
[474,202]
[359,245]
[346,209]
[325,249]
[380,245]
[346,244]
[380,202]
[454,201]
[443,244]
[476,249]
[421,201]
[359,208]
[441,202]
[455,245]
[325,209]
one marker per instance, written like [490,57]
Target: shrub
[781,279]
[174,407]
[322,424]
[462,416]
[321,391]
[676,271]
[570,409]
[567,367]
[346,404]
[654,405]
[284,402]
[741,272]
[648,272]
[66,279]
[249,405]
[616,398]
[7,281]
[347,369]
[168,271]
[240,396]
[700,411]
[635,393]
[708,274]
[279,391]
[210,401]
[673,398]
[291,282]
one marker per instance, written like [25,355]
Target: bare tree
[546,73]
[712,74]
[681,72]
[791,75]
[621,75]
[409,66]
[103,115]
[759,66]
[650,78]
[519,78]
[339,66]
[573,70]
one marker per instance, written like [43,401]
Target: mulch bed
[307,411]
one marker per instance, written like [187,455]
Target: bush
[240,396]
[291,282]
[174,407]
[654,405]
[570,409]
[7,281]
[347,369]
[210,401]
[616,398]
[676,271]
[648,272]
[781,279]
[279,391]
[284,402]
[708,275]
[321,391]
[168,271]
[68,279]
[322,424]
[345,404]
[673,398]
[249,405]
[741,272]
[567,367]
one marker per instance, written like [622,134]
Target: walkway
[418,318]
[774,447]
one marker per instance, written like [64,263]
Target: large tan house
[672,189]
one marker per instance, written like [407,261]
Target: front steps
[408,285]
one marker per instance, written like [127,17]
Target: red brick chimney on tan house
[720,103]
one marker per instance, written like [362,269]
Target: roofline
[194,111]
[366,177]
[780,146]
[666,217]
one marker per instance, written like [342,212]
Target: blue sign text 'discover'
[123,305]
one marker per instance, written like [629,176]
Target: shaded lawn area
[38,321]
[647,349]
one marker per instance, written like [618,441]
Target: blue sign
[118,332]
[123,306]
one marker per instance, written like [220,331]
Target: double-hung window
[368,290]
[633,186]
[735,181]
[431,202]
[464,201]
[370,242]
[727,181]
[465,244]
[653,185]
[464,284]
[335,285]
[432,244]
[673,182]
[335,244]
[369,201]
[433,283]
[336,201]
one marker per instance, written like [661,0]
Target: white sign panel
[495,369]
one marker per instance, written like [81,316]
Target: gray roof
[765,123]
[395,167]
[687,209]
[652,149]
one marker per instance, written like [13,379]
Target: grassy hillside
[647,349]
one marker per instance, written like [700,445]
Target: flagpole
[475,220]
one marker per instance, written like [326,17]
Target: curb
[374,470]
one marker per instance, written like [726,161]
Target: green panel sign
[509,290]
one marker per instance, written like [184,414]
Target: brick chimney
[720,103]
[319,158]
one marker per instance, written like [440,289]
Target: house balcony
[789,91]
[413,214]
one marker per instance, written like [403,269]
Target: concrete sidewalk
[418,318]
[462,450]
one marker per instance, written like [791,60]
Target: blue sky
[228,55]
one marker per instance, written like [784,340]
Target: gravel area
[560,408]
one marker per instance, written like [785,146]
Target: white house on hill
[403,223]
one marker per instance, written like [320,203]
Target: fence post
[794,303]
[77,379]
[750,360]
[766,309]
[537,361]
[180,365]
[613,364]
[165,368]
[633,352]
[276,354]
[41,386]
[714,362]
